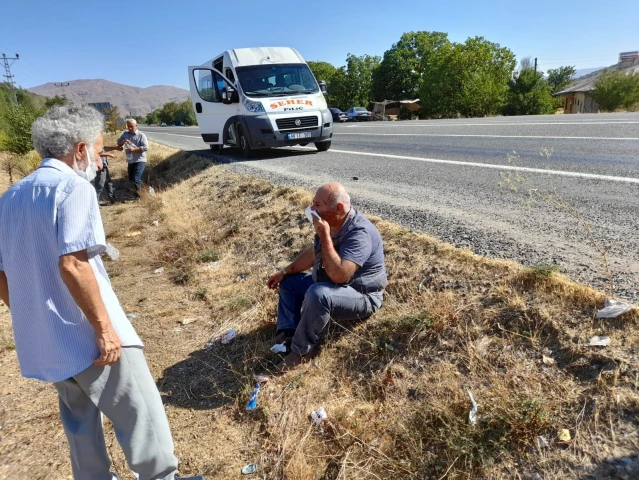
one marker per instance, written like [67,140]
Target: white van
[256,98]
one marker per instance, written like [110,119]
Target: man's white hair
[57,131]
[132,121]
[340,195]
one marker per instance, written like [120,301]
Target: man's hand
[77,274]
[274,280]
[98,163]
[110,346]
[119,147]
[322,228]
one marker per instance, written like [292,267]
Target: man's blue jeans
[135,175]
[307,307]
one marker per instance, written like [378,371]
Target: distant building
[577,97]
[102,107]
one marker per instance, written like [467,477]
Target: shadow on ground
[216,375]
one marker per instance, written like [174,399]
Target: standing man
[347,280]
[135,145]
[68,325]
[103,177]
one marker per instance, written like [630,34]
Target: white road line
[478,135]
[174,134]
[559,173]
[493,124]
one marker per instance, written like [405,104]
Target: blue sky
[146,43]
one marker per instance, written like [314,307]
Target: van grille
[285,124]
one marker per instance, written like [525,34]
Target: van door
[206,93]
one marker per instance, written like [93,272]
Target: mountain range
[129,100]
[582,72]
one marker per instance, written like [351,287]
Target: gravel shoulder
[465,206]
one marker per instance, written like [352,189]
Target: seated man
[347,281]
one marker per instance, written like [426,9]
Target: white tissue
[309,214]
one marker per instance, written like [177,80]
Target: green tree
[18,120]
[398,76]
[153,117]
[529,93]
[352,84]
[17,141]
[560,78]
[326,72]
[616,89]
[322,71]
[483,70]
[185,113]
[168,111]
[52,101]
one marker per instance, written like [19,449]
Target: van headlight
[253,106]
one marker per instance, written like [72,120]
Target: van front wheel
[243,142]
[323,146]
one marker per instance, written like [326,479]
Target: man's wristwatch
[283,271]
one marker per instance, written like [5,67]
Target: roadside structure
[389,109]
[577,97]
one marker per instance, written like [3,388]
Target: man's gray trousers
[127,395]
[307,307]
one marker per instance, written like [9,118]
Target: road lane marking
[560,173]
[482,135]
[174,134]
[493,124]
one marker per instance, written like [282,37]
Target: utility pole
[535,64]
[62,86]
[7,62]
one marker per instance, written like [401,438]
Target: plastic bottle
[129,154]
[112,252]
[252,403]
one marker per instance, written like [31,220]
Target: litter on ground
[613,308]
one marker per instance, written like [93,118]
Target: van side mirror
[229,95]
[322,85]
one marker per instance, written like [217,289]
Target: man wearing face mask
[68,325]
[347,279]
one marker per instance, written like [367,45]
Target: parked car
[338,115]
[162,124]
[358,114]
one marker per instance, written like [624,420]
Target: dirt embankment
[395,386]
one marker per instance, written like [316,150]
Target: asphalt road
[442,177]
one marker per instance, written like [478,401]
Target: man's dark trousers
[102,179]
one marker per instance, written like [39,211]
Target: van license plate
[295,136]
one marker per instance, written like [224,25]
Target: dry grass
[395,386]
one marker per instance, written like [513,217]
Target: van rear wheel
[243,142]
[323,146]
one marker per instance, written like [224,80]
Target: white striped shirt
[50,213]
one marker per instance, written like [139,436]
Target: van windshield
[276,80]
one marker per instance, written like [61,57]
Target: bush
[529,95]
[615,90]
